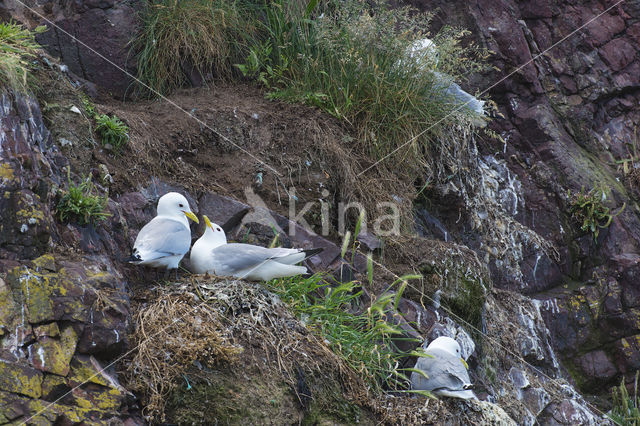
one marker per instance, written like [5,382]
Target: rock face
[90,37]
[63,319]
[568,116]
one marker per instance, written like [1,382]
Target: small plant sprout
[589,209]
[89,107]
[276,237]
[626,408]
[81,203]
[113,133]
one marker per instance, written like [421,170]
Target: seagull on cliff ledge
[444,371]
[211,254]
[163,242]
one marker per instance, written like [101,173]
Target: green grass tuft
[180,36]
[113,133]
[17,47]
[80,203]
[362,336]
[352,63]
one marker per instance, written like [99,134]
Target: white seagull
[163,242]
[211,254]
[445,371]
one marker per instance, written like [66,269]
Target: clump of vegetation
[179,36]
[626,408]
[81,203]
[363,340]
[113,133]
[589,210]
[352,61]
[17,47]
[189,333]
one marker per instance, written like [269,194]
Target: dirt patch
[310,151]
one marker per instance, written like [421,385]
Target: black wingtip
[312,252]
[133,258]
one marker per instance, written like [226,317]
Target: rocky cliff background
[558,310]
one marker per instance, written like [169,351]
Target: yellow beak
[191,216]
[464,363]
[207,221]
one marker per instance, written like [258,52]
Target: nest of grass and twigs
[317,335]
[178,38]
[589,210]
[113,133]
[81,203]
[626,408]
[17,48]
[171,334]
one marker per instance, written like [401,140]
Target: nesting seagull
[163,242]
[420,51]
[212,254]
[445,370]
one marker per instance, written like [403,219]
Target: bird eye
[218,229]
[181,205]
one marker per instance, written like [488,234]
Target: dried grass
[170,335]
[224,321]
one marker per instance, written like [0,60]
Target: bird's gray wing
[444,371]
[162,237]
[228,259]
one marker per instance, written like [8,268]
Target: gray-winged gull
[445,371]
[420,51]
[163,242]
[212,254]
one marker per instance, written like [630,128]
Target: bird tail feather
[312,252]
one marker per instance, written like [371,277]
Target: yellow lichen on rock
[36,294]
[20,379]
[84,371]
[6,173]
[46,261]
[54,355]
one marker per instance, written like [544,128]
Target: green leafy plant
[626,408]
[112,131]
[17,48]
[588,209]
[81,203]
[177,37]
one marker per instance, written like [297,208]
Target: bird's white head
[175,205]
[213,233]
[446,344]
